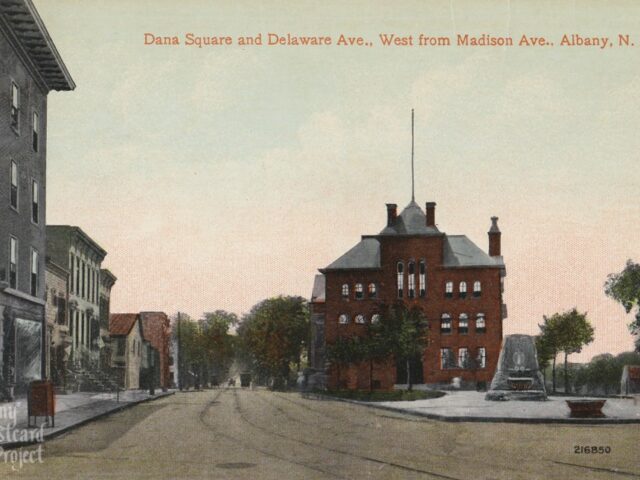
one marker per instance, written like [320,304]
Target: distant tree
[624,288]
[573,332]
[218,342]
[548,343]
[545,352]
[274,334]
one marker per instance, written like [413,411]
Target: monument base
[504,395]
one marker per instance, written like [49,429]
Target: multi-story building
[107,281]
[157,331]
[457,286]
[30,67]
[128,348]
[56,310]
[70,246]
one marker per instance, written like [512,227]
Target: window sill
[24,296]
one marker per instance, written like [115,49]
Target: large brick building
[30,67]
[457,286]
[156,329]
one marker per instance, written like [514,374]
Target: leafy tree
[547,342]
[624,288]
[218,343]
[346,351]
[274,334]
[545,353]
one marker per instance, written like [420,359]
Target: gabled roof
[122,323]
[412,221]
[459,251]
[366,254]
[28,29]
[319,284]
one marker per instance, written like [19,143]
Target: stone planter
[586,408]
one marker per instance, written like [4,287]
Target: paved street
[235,433]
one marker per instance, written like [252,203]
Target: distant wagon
[245,379]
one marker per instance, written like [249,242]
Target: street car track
[335,450]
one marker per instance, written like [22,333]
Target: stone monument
[518,376]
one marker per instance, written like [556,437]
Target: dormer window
[345,290]
[373,290]
[477,288]
[400,276]
[359,291]
[423,278]
[448,289]
[463,289]
[15,107]
[412,280]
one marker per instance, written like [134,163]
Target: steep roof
[122,323]
[459,251]
[412,221]
[317,294]
[366,254]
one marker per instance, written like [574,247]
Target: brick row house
[30,67]
[457,286]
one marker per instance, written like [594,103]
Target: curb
[460,419]
[84,421]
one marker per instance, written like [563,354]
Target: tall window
[35,202]
[359,291]
[13,263]
[481,326]
[482,357]
[34,132]
[373,290]
[345,290]
[423,278]
[463,289]
[343,319]
[463,324]
[77,275]
[412,280]
[446,358]
[15,106]
[445,323]
[477,288]
[448,289]
[83,273]
[360,318]
[14,185]
[400,270]
[463,357]
[34,272]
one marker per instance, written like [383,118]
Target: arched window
[345,290]
[480,323]
[448,289]
[360,318]
[463,324]
[359,291]
[477,288]
[423,278]
[412,280]
[400,283]
[445,323]
[463,289]
[375,318]
[343,319]
[373,290]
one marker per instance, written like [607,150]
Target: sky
[216,177]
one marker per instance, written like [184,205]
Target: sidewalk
[466,406]
[72,411]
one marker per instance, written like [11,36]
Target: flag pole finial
[413,193]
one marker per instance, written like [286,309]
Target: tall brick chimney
[494,238]
[431,214]
[392,213]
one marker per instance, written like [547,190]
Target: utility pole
[179,355]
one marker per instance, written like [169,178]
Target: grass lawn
[395,395]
